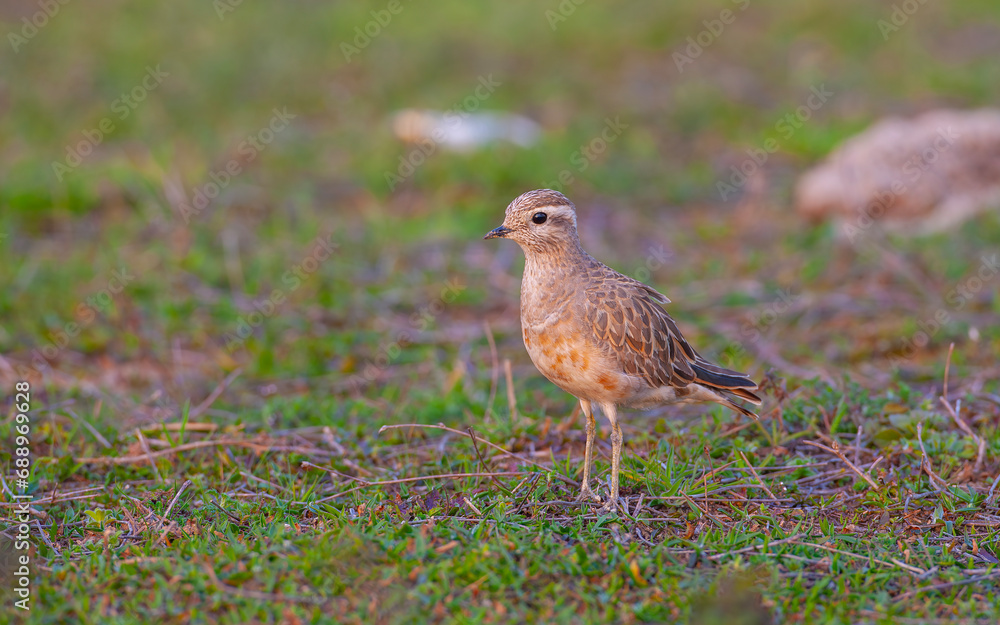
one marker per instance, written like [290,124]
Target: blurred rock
[463,131]
[911,176]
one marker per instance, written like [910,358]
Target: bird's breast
[574,363]
[558,337]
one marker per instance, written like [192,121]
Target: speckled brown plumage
[626,315]
[600,335]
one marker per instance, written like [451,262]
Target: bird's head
[538,221]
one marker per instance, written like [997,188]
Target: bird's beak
[497,233]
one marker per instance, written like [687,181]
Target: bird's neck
[550,282]
[556,259]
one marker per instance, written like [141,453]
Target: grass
[208,396]
[312,515]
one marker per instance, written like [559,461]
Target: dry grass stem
[839,454]
[511,397]
[441,426]
[173,501]
[494,370]
[757,477]
[925,461]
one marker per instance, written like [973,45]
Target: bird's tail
[727,382]
[728,403]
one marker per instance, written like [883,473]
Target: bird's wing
[625,315]
[644,338]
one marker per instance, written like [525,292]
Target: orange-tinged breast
[573,363]
[607,382]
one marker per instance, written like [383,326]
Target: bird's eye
[539,218]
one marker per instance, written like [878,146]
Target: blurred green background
[224,68]
[322,299]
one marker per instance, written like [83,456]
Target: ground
[276,375]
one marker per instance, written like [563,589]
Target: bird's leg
[585,493]
[611,505]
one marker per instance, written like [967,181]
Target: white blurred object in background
[464,132]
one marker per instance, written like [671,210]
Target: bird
[601,336]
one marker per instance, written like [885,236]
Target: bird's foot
[610,506]
[587,495]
